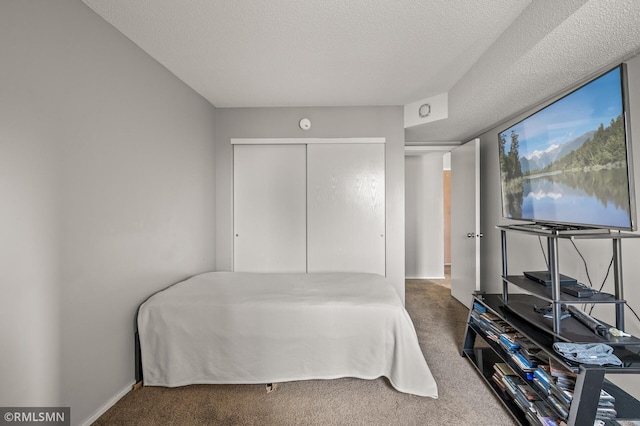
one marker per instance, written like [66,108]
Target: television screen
[570,162]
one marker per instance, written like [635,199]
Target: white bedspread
[233,327]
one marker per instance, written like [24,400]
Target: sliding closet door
[346,208]
[269,208]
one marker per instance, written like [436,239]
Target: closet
[309,205]
[270,208]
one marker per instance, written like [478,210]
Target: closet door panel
[269,205]
[346,208]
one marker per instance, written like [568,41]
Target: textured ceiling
[494,57]
[551,46]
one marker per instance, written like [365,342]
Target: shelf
[520,314]
[517,311]
[544,292]
[627,406]
[593,233]
[504,357]
[483,359]
[555,295]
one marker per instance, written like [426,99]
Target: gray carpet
[439,320]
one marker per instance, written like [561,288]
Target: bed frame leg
[138,360]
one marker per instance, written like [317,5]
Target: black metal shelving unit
[552,293]
[518,311]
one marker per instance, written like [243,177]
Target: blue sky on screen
[572,116]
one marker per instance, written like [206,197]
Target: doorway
[446,206]
[427,212]
[459,180]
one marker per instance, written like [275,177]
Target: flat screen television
[569,163]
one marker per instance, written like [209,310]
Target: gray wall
[326,123]
[107,192]
[424,213]
[525,253]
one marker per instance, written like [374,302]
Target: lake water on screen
[590,198]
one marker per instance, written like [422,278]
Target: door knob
[471,235]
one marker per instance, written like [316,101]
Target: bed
[248,328]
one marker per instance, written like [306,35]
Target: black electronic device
[544,278]
[578,290]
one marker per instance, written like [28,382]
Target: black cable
[586,268]
[606,276]
[634,312]
[603,282]
[544,254]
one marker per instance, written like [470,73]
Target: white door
[465,221]
[269,208]
[346,208]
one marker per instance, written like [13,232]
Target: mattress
[234,327]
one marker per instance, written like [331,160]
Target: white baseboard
[110,403]
[425,278]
